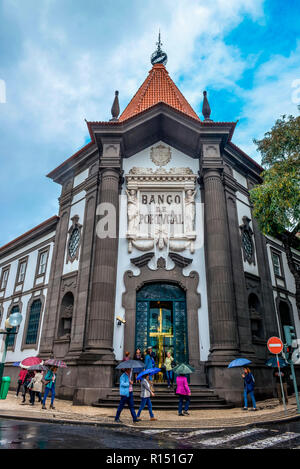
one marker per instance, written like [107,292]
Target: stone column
[100,324]
[221,302]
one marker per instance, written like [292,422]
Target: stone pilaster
[240,290]
[221,302]
[50,321]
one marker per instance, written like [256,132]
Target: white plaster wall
[31,264]
[142,159]
[18,354]
[77,208]
[240,178]
[80,177]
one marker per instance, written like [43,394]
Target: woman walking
[169,372]
[126,396]
[149,362]
[36,387]
[249,382]
[27,380]
[184,393]
[50,380]
[146,392]
[138,356]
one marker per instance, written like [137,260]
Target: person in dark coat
[27,380]
[278,385]
[21,379]
[249,383]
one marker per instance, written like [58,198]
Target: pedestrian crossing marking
[154,431]
[267,442]
[197,432]
[235,436]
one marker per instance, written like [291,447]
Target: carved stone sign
[161,209]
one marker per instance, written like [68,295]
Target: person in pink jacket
[184,392]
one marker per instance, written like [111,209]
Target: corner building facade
[156,245]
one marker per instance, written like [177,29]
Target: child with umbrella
[146,391]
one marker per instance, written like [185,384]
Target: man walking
[126,393]
[278,385]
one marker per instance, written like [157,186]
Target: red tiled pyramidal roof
[158,87]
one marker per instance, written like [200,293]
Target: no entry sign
[275,345]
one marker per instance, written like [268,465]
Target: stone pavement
[268,411]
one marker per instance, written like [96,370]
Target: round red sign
[275,345]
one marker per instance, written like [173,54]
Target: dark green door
[161,321]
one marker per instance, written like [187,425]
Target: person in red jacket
[21,379]
[184,392]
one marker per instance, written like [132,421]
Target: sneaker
[137,420]
[245,408]
[186,412]
[44,407]
[52,407]
[153,418]
[181,415]
[118,420]
[253,409]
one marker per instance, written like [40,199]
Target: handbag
[173,364]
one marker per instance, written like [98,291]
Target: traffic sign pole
[281,385]
[275,346]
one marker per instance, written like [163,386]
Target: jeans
[32,396]
[126,400]
[47,390]
[169,374]
[180,404]
[246,398]
[145,400]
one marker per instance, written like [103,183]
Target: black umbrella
[38,368]
[130,364]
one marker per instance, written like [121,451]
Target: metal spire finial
[159,56]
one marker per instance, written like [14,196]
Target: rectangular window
[4,279]
[276,264]
[22,270]
[43,263]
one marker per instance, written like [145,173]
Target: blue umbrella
[272,362]
[16,363]
[239,362]
[150,372]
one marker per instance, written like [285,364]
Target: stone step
[172,406]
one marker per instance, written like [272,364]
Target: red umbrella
[30,361]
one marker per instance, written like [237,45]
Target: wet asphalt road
[16,434]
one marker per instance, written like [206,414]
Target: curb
[123,425]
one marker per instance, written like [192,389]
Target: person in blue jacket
[50,380]
[126,393]
[249,383]
[149,361]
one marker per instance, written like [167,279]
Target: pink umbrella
[57,363]
[30,361]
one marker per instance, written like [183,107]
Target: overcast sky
[62,60]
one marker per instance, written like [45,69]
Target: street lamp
[13,320]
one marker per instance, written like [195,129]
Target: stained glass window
[33,322]
[247,244]
[74,242]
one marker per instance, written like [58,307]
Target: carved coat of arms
[160,155]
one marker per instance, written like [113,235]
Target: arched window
[284,314]
[11,339]
[255,317]
[33,322]
[66,313]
